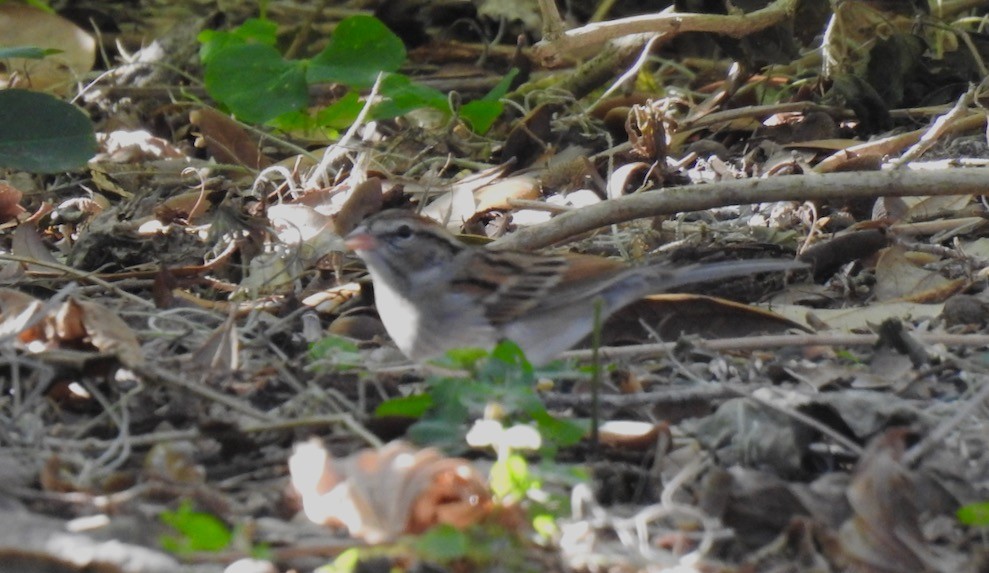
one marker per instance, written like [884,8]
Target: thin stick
[318,176]
[158,376]
[811,187]
[674,22]
[773,341]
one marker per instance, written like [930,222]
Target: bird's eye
[404,232]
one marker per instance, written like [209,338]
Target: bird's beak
[359,240]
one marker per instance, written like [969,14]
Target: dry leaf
[10,202]
[68,323]
[857,319]
[885,533]
[86,322]
[380,494]
[174,462]
[499,194]
[364,199]
[674,315]
[632,434]
[219,354]
[529,136]
[188,206]
[626,179]
[16,311]
[301,226]
[226,140]
[27,243]
[927,208]
[137,146]
[826,257]
[458,203]
[22,25]
[898,278]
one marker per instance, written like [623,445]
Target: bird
[435,293]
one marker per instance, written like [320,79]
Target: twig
[156,375]
[552,21]
[773,341]
[734,25]
[893,144]
[339,148]
[761,111]
[345,420]
[670,395]
[937,129]
[812,187]
[936,436]
[630,73]
[79,275]
[806,420]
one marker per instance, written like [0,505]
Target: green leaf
[43,134]
[462,358]
[361,46]
[440,433]
[442,543]
[545,526]
[26,52]
[342,113]
[338,352]
[41,5]
[330,345]
[294,121]
[559,431]
[404,96]
[258,30]
[508,366]
[253,31]
[974,514]
[483,112]
[346,562]
[409,406]
[256,83]
[197,531]
[510,477]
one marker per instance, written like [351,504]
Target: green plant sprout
[502,381]
[974,514]
[247,75]
[197,531]
[335,353]
[497,401]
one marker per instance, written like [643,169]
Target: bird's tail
[706,272]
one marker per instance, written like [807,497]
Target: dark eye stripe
[395,236]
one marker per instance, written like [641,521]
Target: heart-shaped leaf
[361,47]
[256,83]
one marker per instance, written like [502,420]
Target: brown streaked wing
[509,283]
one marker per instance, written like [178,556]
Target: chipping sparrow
[435,293]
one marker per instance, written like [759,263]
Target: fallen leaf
[27,243]
[885,533]
[364,199]
[226,140]
[74,50]
[380,494]
[10,202]
[898,278]
[81,322]
[17,310]
[674,315]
